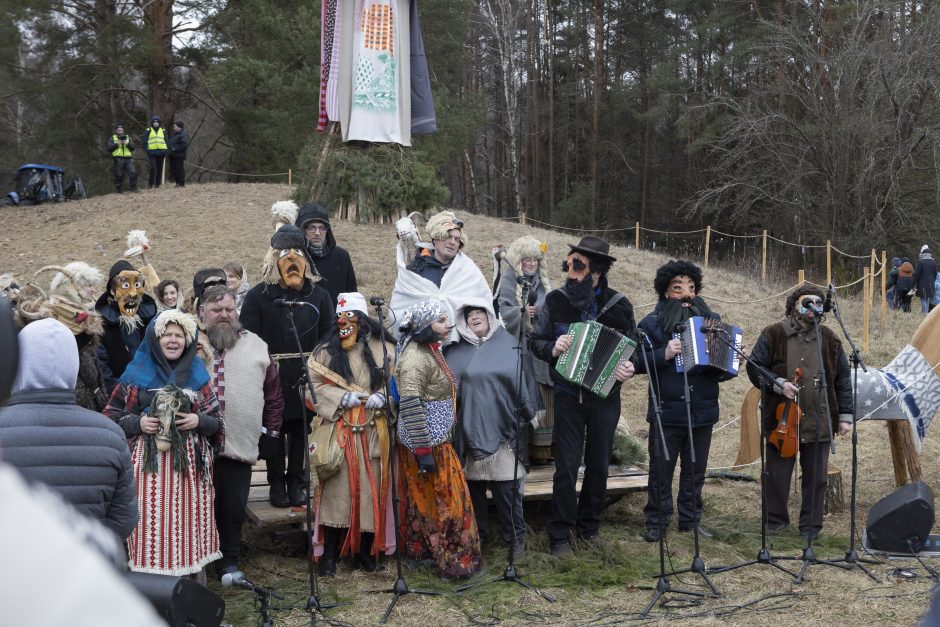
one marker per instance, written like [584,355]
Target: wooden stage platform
[620,481]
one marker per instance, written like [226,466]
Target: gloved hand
[426,463]
[376,401]
[352,399]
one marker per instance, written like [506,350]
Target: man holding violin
[782,348]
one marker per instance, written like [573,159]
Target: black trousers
[691,476]
[155,176]
[508,508]
[232,480]
[124,166]
[177,171]
[586,424]
[814,465]
[293,443]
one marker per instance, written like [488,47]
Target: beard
[129,324]
[673,312]
[580,293]
[223,335]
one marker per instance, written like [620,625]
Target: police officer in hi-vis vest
[154,142]
[121,148]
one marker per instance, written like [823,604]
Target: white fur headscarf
[441,223]
[82,274]
[175,316]
[527,247]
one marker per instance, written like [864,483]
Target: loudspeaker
[905,515]
[180,600]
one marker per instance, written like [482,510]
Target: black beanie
[118,268]
[288,236]
[312,212]
[201,276]
[180,124]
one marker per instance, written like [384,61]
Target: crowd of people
[181,390]
[166,154]
[906,280]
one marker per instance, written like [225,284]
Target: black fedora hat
[593,246]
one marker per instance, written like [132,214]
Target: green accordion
[593,356]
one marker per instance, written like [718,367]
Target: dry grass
[210,224]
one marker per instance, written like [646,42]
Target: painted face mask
[128,288]
[348,325]
[292,265]
[577,266]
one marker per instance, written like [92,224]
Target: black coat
[271,324]
[177,145]
[336,271]
[558,314]
[703,387]
[117,347]
[924,276]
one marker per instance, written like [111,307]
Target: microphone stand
[764,556]
[698,564]
[662,587]
[400,587]
[510,574]
[313,605]
[809,555]
[851,555]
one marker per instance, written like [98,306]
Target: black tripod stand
[400,587]
[662,587]
[510,574]
[764,557]
[851,555]
[313,605]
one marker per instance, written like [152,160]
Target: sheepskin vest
[245,367]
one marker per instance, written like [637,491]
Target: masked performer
[486,364]
[439,521]
[292,278]
[352,505]
[782,348]
[526,259]
[126,310]
[170,415]
[584,422]
[678,285]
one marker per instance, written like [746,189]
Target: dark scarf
[672,314]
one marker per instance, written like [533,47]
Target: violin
[785,436]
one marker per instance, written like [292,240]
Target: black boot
[331,537]
[275,466]
[296,450]
[364,559]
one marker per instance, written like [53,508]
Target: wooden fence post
[637,235]
[828,262]
[884,291]
[871,273]
[522,217]
[708,241]
[800,277]
[866,309]
[290,176]
[763,259]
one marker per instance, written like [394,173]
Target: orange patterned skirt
[437,520]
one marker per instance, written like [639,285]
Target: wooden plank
[538,487]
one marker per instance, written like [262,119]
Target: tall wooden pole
[708,241]
[884,291]
[866,309]
[763,259]
[871,274]
[828,262]
[801,277]
[638,235]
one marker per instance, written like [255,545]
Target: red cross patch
[342,302]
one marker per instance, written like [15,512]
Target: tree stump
[835,498]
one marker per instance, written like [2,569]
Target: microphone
[811,306]
[376,301]
[827,304]
[533,297]
[281,303]
[237,579]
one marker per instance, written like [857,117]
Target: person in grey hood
[80,454]
[333,263]
[485,362]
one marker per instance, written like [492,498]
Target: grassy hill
[203,225]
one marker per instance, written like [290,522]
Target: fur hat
[803,290]
[288,236]
[924,247]
[440,225]
[175,316]
[207,277]
[64,283]
[673,268]
[351,301]
[283,212]
[527,247]
[137,243]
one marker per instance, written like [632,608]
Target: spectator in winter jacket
[80,454]
[891,282]
[177,147]
[121,147]
[925,274]
[332,262]
[904,286]
[154,142]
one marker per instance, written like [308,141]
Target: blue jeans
[924,305]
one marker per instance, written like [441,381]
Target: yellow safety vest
[156,141]
[120,150]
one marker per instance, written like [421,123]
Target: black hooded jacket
[558,314]
[333,263]
[117,347]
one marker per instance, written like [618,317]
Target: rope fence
[288,174]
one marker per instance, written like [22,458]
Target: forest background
[813,119]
